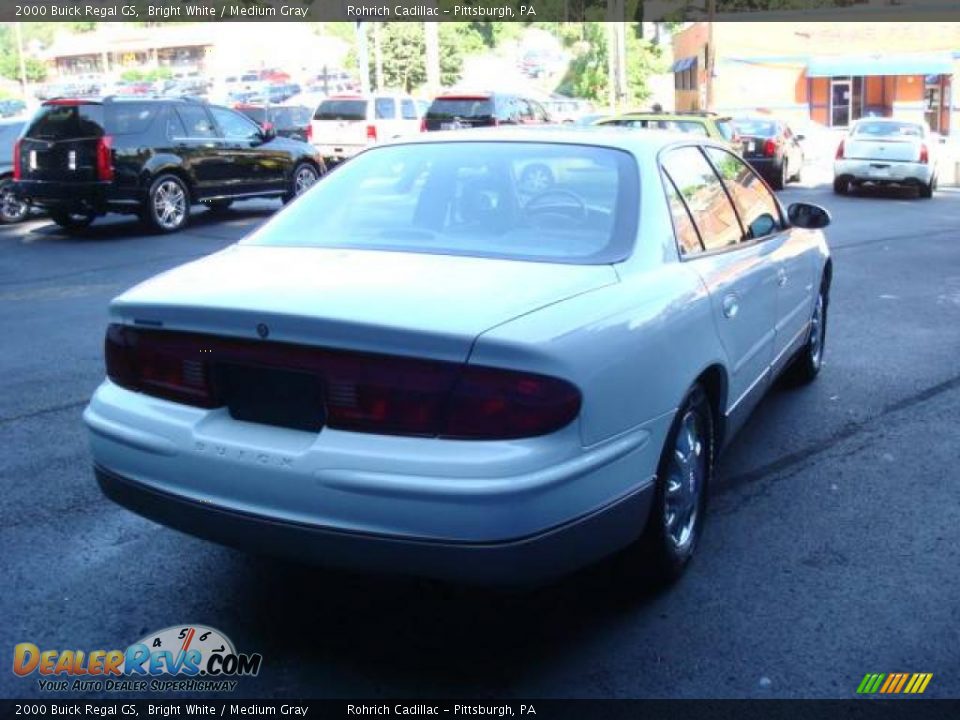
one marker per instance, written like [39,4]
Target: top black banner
[477,10]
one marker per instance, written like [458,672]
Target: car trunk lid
[882,149]
[418,304]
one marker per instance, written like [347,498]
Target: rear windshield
[447,109]
[887,129]
[342,110]
[755,128]
[525,201]
[63,122]
[87,120]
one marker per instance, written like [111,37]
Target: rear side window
[341,110]
[130,118]
[449,108]
[690,127]
[64,122]
[709,205]
[755,204]
[726,129]
[385,108]
[688,239]
[408,109]
[196,121]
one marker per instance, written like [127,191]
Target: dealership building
[831,73]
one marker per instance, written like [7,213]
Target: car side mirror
[808,215]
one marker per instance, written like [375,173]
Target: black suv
[152,157]
[457,111]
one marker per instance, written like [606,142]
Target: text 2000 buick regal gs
[428,364]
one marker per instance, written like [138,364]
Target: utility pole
[23,64]
[433,57]
[363,58]
[708,60]
[616,57]
[377,56]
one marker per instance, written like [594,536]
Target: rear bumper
[81,196]
[339,152]
[768,167]
[532,559]
[884,172]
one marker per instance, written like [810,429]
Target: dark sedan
[290,121]
[771,147]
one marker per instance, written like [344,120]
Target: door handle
[781,277]
[731,306]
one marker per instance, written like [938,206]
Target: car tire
[807,363]
[841,186]
[675,524]
[219,206]
[536,178]
[168,205]
[780,180]
[926,190]
[304,177]
[12,208]
[72,221]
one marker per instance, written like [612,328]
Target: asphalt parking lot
[832,548]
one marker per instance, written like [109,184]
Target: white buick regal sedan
[425,365]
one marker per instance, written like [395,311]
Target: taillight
[839,155]
[309,133]
[17,172]
[488,403]
[769,148]
[363,392]
[924,154]
[372,132]
[105,158]
[423,124]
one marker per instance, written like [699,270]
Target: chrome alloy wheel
[816,333]
[685,481]
[305,178]
[12,208]
[170,204]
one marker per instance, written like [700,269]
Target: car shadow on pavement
[404,629]
[129,227]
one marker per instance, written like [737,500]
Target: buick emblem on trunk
[263,330]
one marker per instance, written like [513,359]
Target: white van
[343,125]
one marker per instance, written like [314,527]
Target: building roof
[114,38]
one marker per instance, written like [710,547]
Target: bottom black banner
[541,709]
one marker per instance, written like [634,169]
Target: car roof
[637,143]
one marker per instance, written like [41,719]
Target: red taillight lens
[166,365]
[372,132]
[839,155]
[769,148]
[488,403]
[309,133]
[105,158]
[423,124]
[363,392]
[17,172]
[924,154]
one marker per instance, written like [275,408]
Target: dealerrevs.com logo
[188,658]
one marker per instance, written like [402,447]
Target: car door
[737,271]
[194,138]
[257,166]
[794,265]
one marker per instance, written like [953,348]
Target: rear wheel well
[714,382]
[176,172]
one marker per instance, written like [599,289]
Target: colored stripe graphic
[894,683]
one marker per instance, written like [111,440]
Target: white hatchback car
[423,366]
[887,151]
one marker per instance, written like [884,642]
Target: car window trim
[743,244]
[666,178]
[776,203]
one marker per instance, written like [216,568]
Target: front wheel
[305,177]
[684,474]
[168,204]
[12,208]
[72,220]
[841,186]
